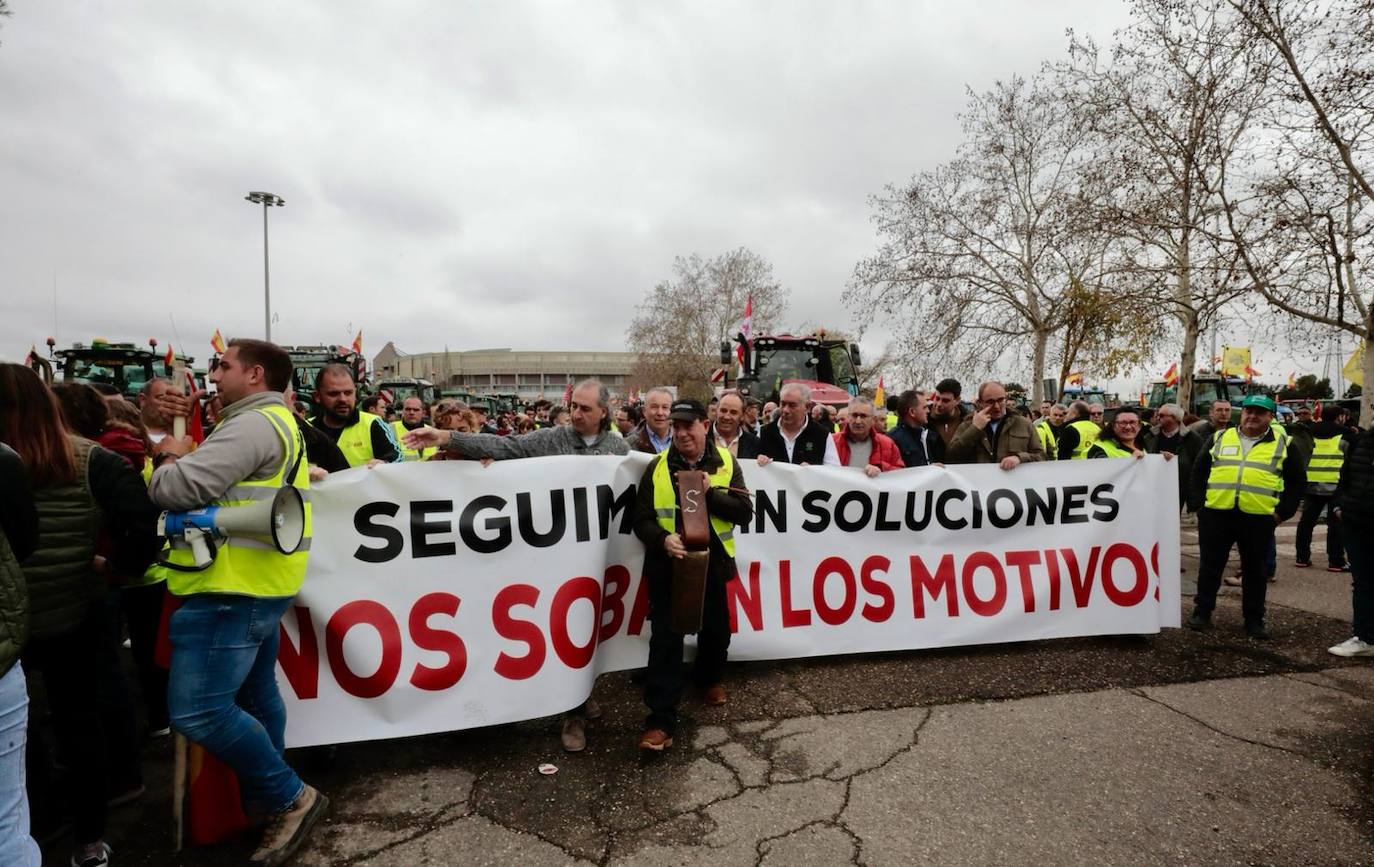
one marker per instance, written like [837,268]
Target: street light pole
[267,200]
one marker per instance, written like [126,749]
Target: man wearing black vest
[795,438]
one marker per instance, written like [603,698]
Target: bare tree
[1174,98]
[678,328]
[975,256]
[1302,222]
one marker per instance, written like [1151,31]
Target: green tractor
[308,361]
[123,367]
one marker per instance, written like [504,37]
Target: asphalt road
[1181,748]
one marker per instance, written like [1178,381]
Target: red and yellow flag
[1171,375]
[217,342]
[879,396]
[169,359]
[358,342]
[1075,378]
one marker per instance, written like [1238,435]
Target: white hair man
[796,438]
[656,433]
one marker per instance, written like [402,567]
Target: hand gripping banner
[443,596]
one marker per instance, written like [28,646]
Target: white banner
[445,595]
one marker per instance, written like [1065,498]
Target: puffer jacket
[1355,490]
[18,536]
[107,492]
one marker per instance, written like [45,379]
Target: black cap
[687,410]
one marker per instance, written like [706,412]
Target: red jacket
[886,456]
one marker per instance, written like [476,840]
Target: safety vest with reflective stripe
[1327,458]
[1113,449]
[665,498]
[399,428]
[1047,440]
[1088,432]
[355,441]
[154,573]
[244,565]
[1252,481]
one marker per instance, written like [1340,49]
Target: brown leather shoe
[656,740]
[714,695]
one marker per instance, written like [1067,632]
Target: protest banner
[443,596]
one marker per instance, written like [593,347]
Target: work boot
[655,740]
[1255,629]
[592,709]
[1199,620]
[714,695]
[287,830]
[574,734]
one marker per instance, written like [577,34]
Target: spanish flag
[217,342]
[1075,378]
[169,359]
[1171,375]
[1293,380]
[358,342]
[879,398]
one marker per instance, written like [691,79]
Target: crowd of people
[86,475]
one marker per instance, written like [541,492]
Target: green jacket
[18,537]
[108,494]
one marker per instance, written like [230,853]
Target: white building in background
[529,374]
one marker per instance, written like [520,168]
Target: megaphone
[280,521]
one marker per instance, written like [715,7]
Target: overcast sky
[464,175]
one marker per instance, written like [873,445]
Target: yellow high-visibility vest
[665,500]
[247,566]
[1326,462]
[1251,482]
[1113,449]
[399,427]
[1047,440]
[355,441]
[1088,432]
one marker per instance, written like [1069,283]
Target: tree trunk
[1042,339]
[1188,318]
[1188,363]
[1367,389]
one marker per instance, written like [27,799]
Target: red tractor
[828,367]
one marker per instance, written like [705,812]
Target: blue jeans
[16,846]
[222,691]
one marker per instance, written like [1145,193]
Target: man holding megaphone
[239,528]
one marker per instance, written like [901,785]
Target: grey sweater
[556,440]
[244,446]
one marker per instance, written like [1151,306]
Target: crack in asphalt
[1235,737]
[1341,689]
[765,748]
[428,826]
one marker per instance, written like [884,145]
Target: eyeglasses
[991,400]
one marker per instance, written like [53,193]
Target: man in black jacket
[1354,507]
[796,438]
[729,430]
[656,509]
[919,445]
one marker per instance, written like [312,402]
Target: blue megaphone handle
[202,519]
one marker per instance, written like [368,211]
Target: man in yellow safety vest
[1079,433]
[658,524]
[364,438]
[412,418]
[1330,441]
[1245,483]
[222,691]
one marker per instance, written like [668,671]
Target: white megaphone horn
[279,521]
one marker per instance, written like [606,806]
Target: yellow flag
[1235,360]
[1354,368]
